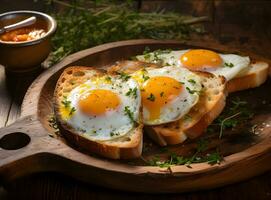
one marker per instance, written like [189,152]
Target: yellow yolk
[98,102]
[199,59]
[157,92]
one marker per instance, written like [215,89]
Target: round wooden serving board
[30,145]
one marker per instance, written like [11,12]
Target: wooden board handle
[19,142]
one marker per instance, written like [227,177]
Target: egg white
[240,63]
[181,105]
[113,124]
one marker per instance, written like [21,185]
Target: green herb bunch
[199,156]
[84,24]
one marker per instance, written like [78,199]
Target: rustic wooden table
[223,13]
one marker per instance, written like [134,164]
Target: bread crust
[254,78]
[125,149]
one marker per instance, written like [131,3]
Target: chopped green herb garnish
[197,157]
[124,76]
[147,56]
[108,78]
[129,113]
[161,94]
[145,77]
[72,111]
[114,133]
[151,97]
[192,91]
[214,158]
[192,81]
[132,92]
[65,102]
[230,65]
[237,111]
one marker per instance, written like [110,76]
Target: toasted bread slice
[209,106]
[125,147]
[192,125]
[252,77]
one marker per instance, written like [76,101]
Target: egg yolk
[200,59]
[157,92]
[98,102]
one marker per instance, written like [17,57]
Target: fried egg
[103,108]
[167,93]
[227,65]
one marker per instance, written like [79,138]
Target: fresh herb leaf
[145,77]
[132,92]
[192,91]
[230,65]
[108,78]
[114,133]
[82,24]
[65,102]
[72,111]
[214,158]
[151,97]
[124,76]
[192,81]
[236,111]
[161,94]
[197,157]
[129,113]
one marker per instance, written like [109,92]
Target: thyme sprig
[83,24]
[198,157]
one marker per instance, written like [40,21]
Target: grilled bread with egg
[210,102]
[240,72]
[95,114]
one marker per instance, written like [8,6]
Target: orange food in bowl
[22,35]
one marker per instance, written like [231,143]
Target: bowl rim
[48,18]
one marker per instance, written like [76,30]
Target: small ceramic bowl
[27,55]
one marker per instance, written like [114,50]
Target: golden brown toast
[252,77]
[125,147]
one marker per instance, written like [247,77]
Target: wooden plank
[54,186]
[5,98]
[22,82]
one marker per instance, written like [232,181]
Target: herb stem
[223,121]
